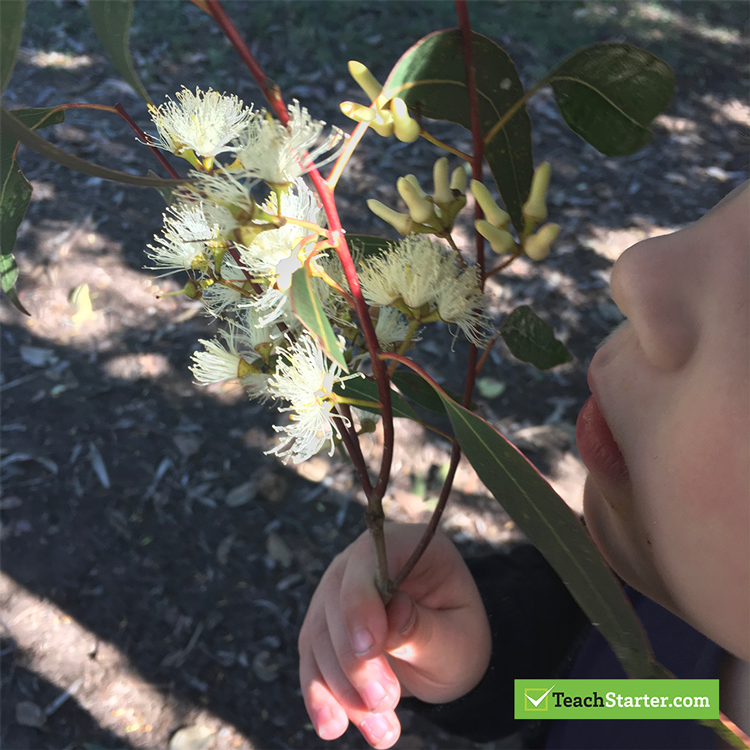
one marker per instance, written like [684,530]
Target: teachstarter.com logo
[612,699]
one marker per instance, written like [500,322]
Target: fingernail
[376,728]
[362,641]
[373,694]
[323,723]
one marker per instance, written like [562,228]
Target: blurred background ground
[157,566]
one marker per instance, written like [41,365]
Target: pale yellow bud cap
[383,123]
[458,180]
[494,214]
[414,182]
[365,80]
[501,240]
[405,127]
[357,112]
[442,192]
[537,246]
[535,207]
[420,209]
[402,223]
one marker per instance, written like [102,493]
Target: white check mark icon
[539,700]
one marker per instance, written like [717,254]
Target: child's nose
[655,284]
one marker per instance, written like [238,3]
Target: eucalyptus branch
[442,144]
[351,442]
[374,514]
[346,154]
[145,138]
[504,265]
[462,11]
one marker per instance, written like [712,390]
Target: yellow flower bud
[442,193]
[535,208]
[402,223]
[458,180]
[501,240]
[537,246]
[365,80]
[405,127]
[495,215]
[357,112]
[420,209]
[383,123]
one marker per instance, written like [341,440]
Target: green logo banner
[616,699]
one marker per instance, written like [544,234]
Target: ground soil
[157,565]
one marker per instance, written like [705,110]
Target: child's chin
[622,541]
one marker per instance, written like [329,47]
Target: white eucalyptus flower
[267,150]
[204,123]
[276,254]
[305,378]
[229,356]
[183,245]
[412,270]
[391,327]
[461,301]
[217,298]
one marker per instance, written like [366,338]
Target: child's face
[671,509]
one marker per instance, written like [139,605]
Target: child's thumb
[406,621]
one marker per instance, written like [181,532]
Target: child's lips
[597,446]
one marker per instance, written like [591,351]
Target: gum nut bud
[501,240]
[495,215]
[365,80]
[414,182]
[405,127]
[537,246]
[535,207]
[383,123]
[442,192]
[245,368]
[192,289]
[357,112]
[367,425]
[420,209]
[458,180]
[402,223]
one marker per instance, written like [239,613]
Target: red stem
[147,140]
[267,86]
[273,95]
[349,436]
[462,11]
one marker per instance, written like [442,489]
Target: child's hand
[357,658]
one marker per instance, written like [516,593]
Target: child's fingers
[381,729]
[362,610]
[371,678]
[327,715]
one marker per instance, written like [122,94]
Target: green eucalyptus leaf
[431,79]
[610,93]
[366,244]
[364,389]
[111,20]
[12,13]
[532,340]
[308,309]
[12,127]
[419,391]
[558,534]
[15,195]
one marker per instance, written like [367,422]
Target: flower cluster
[241,244]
